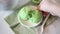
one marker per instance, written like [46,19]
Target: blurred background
[7,7]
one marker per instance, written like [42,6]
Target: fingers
[44,5]
[47,6]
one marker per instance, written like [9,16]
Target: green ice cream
[36,1]
[31,15]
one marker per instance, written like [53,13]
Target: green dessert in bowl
[36,2]
[29,17]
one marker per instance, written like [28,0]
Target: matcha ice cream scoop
[36,1]
[31,15]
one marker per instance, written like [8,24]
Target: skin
[48,6]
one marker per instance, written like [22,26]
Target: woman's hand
[49,6]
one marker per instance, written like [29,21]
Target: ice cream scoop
[36,1]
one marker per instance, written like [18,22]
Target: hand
[48,6]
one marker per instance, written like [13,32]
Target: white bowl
[27,23]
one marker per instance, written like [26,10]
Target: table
[4,27]
[54,28]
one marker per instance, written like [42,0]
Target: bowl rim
[19,20]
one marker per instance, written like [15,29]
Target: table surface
[54,28]
[4,27]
